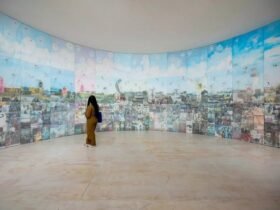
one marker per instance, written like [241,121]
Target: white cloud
[85,75]
[270,54]
[273,40]
[198,70]
[28,51]
[221,65]
[249,58]
[219,48]
[6,45]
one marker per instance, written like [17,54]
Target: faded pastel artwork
[85,77]
[106,77]
[156,90]
[8,36]
[85,69]
[176,111]
[248,68]
[196,88]
[62,90]
[37,84]
[219,86]
[272,84]
[229,89]
[131,98]
[105,91]
[248,86]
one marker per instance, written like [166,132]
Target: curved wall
[229,89]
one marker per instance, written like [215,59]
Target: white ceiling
[143,26]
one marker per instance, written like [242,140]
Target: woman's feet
[90,145]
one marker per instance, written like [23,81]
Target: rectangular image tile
[248,68]
[252,123]
[272,125]
[272,62]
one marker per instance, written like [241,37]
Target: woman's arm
[88,112]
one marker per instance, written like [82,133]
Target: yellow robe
[91,125]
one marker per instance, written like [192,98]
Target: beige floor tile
[140,171]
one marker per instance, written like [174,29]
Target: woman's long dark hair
[92,100]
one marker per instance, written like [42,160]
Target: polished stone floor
[140,171]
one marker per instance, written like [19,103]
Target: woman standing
[91,115]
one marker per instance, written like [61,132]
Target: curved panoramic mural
[230,89]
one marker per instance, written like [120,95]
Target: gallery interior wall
[229,89]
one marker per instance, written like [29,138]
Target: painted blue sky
[139,62]
[40,39]
[10,71]
[219,67]
[15,31]
[237,63]
[8,27]
[247,49]
[272,55]
[85,69]
[34,46]
[32,74]
[158,61]
[123,60]
[248,42]
[17,73]
[196,56]
[102,55]
[62,78]
[8,32]
[82,54]
[272,35]
[248,61]
[196,71]
[177,59]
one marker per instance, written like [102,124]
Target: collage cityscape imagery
[230,89]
